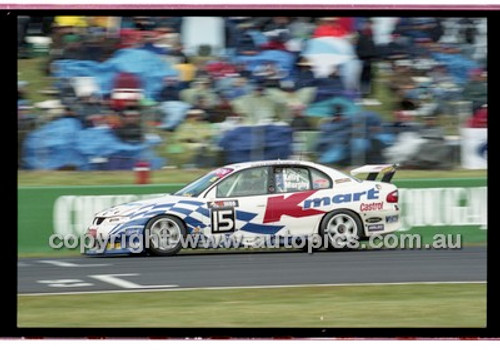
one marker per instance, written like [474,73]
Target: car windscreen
[195,188]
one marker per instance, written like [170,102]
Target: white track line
[60,263]
[249,287]
[113,279]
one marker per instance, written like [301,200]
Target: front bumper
[113,239]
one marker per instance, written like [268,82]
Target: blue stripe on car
[190,221]
[264,229]
[168,205]
[203,211]
[181,210]
[134,223]
[190,202]
[244,216]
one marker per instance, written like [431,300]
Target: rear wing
[373,170]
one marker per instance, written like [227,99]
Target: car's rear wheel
[342,228]
[164,234]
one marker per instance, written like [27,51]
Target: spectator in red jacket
[479,119]
[347,23]
[330,26]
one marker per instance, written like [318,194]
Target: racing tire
[164,234]
[343,230]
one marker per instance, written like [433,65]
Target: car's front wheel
[342,229]
[164,235]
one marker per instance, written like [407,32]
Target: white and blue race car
[246,204]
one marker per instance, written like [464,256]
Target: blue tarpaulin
[282,59]
[240,144]
[352,137]
[457,65]
[64,143]
[150,67]
[53,146]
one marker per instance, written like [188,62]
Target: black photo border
[8,256]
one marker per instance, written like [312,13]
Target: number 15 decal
[223,220]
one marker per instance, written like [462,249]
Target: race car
[245,204]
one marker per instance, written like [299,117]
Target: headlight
[117,220]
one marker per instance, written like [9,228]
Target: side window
[320,180]
[248,182]
[290,179]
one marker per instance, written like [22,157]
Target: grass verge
[32,71]
[415,305]
[83,178]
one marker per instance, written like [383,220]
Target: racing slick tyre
[164,234]
[342,229]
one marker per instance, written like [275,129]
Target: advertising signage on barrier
[448,206]
[73,214]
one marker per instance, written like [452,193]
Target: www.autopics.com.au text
[138,242]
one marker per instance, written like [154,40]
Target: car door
[292,186]
[238,204]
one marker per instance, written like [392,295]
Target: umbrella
[326,53]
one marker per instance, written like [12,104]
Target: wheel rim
[342,227]
[165,234]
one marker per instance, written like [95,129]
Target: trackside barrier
[428,206]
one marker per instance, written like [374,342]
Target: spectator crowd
[326,88]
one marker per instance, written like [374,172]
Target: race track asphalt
[93,274]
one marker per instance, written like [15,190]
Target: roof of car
[270,162]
